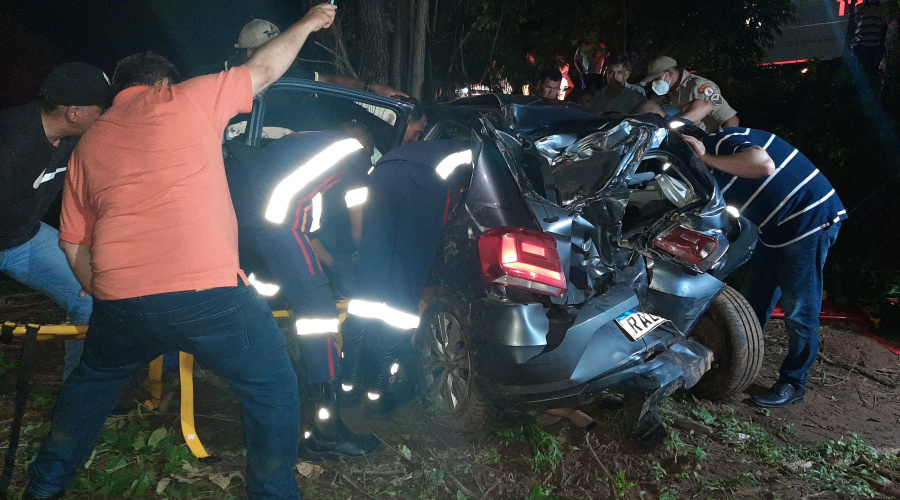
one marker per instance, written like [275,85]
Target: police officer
[284,195]
[672,86]
[412,192]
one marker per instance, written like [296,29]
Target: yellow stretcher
[33,333]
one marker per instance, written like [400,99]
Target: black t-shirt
[31,173]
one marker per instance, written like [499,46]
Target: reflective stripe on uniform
[449,164]
[277,208]
[263,288]
[313,326]
[356,197]
[383,312]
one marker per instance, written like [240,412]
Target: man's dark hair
[145,68]
[619,60]
[418,110]
[550,74]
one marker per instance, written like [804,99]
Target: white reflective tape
[262,288]
[313,326]
[449,164]
[395,368]
[277,208]
[356,197]
[373,396]
[347,387]
[324,414]
[383,312]
[316,213]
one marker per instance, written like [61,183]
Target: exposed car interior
[296,110]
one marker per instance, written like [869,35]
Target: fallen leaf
[222,479]
[799,464]
[310,470]
[405,452]
[161,485]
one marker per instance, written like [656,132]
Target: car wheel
[447,375]
[730,329]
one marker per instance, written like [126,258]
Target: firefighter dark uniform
[412,192]
[283,195]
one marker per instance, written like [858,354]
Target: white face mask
[660,87]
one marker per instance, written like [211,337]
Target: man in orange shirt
[149,230]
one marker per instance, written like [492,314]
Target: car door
[293,105]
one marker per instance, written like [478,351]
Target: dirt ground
[723,449]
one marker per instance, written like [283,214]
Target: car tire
[446,373]
[730,329]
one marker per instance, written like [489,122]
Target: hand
[319,17]
[696,145]
[386,91]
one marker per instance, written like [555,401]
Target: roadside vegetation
[714,451]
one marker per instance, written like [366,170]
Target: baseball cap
[256,33]
[77,84]
[657,66]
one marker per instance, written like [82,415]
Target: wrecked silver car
[588,256]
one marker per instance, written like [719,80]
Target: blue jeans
[40,264]
[793,274]
[230,331]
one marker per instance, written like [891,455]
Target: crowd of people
[164,242]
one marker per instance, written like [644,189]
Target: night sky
[36,35]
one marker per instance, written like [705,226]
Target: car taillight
[521,258]
[685,244]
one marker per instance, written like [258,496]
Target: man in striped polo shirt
[798,215]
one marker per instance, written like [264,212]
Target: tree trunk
[420,35]
[373,44]
[399,56]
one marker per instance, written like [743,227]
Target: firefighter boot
[353,364]
[325,436]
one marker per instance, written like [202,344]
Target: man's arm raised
[273,59]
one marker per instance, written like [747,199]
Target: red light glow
[522,258]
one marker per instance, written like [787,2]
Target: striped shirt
[787,206]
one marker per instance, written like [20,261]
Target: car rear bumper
[542,363]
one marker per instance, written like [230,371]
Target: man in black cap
[35,143]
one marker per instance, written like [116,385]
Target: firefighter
[412,192]
[284,195]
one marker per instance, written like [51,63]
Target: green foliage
[547,449]
[621,484]
[698,34]
[824,465]
[541,491]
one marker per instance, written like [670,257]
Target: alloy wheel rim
[446,363]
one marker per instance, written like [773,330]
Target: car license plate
[636,324]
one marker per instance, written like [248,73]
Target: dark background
[37,35]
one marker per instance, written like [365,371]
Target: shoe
[781,394]
[343,445]
[328,438]
[351,376]
[31,495]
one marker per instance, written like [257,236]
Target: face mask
[660,87]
